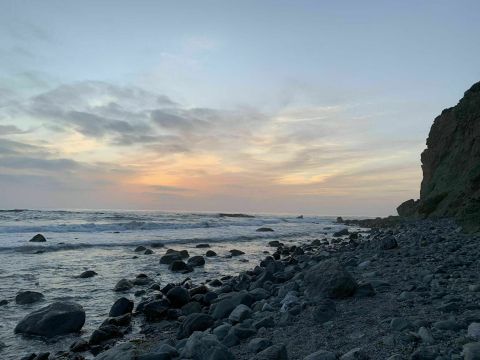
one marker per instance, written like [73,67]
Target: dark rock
[121,307]
[28,297]
[191,308]
[178,296]
[202,346]
[407,208]
[274,352]
[104,333]
[79,346]
[87,274]
[388,243]
[329,279]
[3,302]
[355,354]
[148,252]
[38,238]
[123,285]
[222,309]
[340,233]
[59,318]
[202,246]
[155,309]
[123,320]
[196,261]
[180,266]
[194,322]
[140,248]
[210,253]
[169,258]
[264,229]
[258,344]
[236,252]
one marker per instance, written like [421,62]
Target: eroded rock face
[451,165]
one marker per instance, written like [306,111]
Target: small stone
[140,248]
[425,335]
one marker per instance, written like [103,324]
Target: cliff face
[451,166]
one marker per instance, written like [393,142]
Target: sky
[312,107]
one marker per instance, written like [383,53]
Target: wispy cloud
[95,134]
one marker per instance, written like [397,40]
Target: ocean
[104,241]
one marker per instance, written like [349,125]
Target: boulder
[202,246]
[329,279]
[123,285]
[388,243]
[140,248]
[59,318]
[121,307]
[235,252]
[210,253]
[28,297]
[87,274]
[180,266]
[202,346]
[126,351]
[274,352]
[240,313]
[178,296]
[38,238]
[194,322]
[196,261]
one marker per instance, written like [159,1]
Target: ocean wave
[131,226]
[31,248]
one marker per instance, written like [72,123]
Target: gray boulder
[125,351]
[196,261]
[329,279]
[59,318]
[194,322]
[202,346]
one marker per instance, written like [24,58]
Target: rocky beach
[409,291]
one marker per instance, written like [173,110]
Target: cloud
[95,135]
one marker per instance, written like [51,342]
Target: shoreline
[381,305]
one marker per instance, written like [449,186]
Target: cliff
[451,166]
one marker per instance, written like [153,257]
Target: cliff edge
[451,166]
